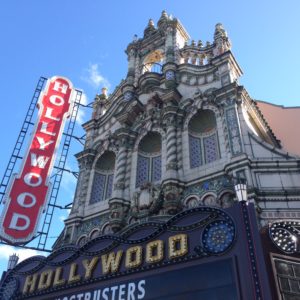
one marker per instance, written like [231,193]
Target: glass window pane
[210,148]
[98,188]
[294,284]
[195,152]
[142,175]
[156,168]
[284,283]
[109,186]
[297,270]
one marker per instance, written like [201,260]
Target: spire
[220,31]
[149,29]
[221,40]
[163,19]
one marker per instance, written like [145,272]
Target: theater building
[188,188]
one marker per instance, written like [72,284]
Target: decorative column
[179,144]
[170,66]
[130,144]
[233,127]
[171,187]
[120,167]
[118,205]
[85,160]
[171,146]
[131,52]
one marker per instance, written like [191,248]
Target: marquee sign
[197,254]
[27,194]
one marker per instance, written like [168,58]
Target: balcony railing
[151,67]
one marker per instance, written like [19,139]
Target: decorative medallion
[286,235]
[218,236]
[128,96]
[170,75]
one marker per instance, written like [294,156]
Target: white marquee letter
[60,87]
[21,200]
[42,143]
[57,100]
[44,129]
[48,114]
[39,161]
[28,179]
[14,222]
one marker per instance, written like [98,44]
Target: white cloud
[94,77]
[6,251]
[62,218]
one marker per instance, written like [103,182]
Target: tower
[172,136]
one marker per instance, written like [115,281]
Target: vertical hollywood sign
[27,194]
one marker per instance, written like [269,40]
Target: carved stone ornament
[172,203]
[147,201]
[118,212]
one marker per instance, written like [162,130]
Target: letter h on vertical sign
[27,193]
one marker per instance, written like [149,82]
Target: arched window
[153,62]
[103,178]
[149,159]
[203,139]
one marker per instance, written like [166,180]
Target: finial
[221,40]
[135,37]
[164,14]
[200,44]
[220,31]
[151,23]
[150,28]
[104,93]
[193,43]
[163,18]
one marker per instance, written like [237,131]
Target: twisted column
[171,146]
[121,164]
[179,145]
[128,174]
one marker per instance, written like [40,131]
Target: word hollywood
[85,269]
[27,194]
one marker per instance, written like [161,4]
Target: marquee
[196,254]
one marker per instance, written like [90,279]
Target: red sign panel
[27,194]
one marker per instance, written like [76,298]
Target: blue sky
[85,41]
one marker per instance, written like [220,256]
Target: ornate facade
[173,135]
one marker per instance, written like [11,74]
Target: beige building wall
[285,123]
